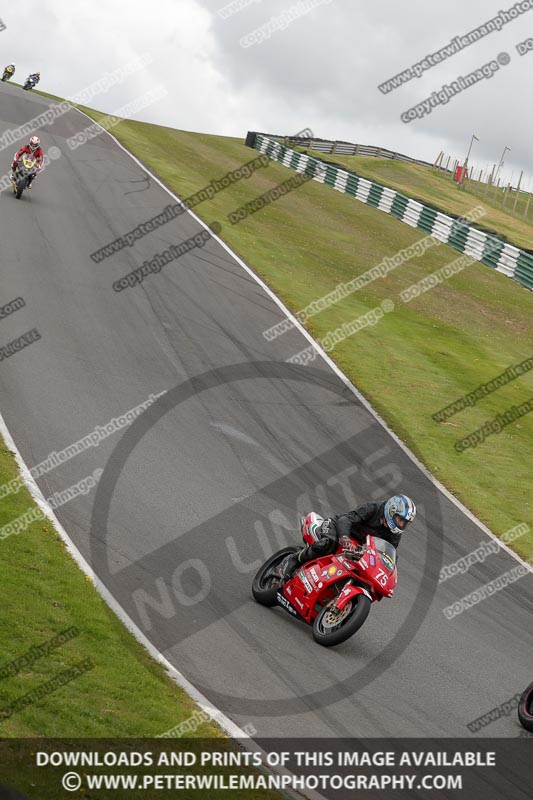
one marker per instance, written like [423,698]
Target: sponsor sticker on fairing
[303,578]
[285,603]
[345,563]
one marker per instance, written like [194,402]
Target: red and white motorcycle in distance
[333,593]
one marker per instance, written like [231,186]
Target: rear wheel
[525,708]
[332,627]
[265,585]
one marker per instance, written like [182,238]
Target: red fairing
[38,154]
[339,578]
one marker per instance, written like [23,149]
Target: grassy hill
[438,189]
[417,359]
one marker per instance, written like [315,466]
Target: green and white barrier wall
[454,231]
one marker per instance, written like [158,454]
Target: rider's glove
[359,551]
[14,166]
[352,549]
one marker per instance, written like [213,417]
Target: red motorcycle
[333,593]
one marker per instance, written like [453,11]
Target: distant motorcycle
[525,708]
[26,167]
[8,73]
[30,83]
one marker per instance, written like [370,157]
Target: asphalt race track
[211,478]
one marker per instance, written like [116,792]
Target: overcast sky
[322,71]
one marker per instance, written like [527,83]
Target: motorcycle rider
[34,149]
[10,68]
[387,520]
[35,77]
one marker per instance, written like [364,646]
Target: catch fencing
[341,148]
[455,231]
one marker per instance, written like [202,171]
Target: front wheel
[525,708]
[265,585]
[21,185]
[332,627]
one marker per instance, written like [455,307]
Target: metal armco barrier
[454,231]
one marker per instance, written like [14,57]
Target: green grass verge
[44,593]
[416,360]
[413,362]
[438,188]
[124,692]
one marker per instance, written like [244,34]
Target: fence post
[489,181]
[527,206]
[517,191]
[505,193]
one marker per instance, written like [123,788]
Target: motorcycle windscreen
[387,553]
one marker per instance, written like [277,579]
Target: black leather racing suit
[365,519]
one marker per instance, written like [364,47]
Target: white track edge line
[214,713]
[224,722]
[471,516]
